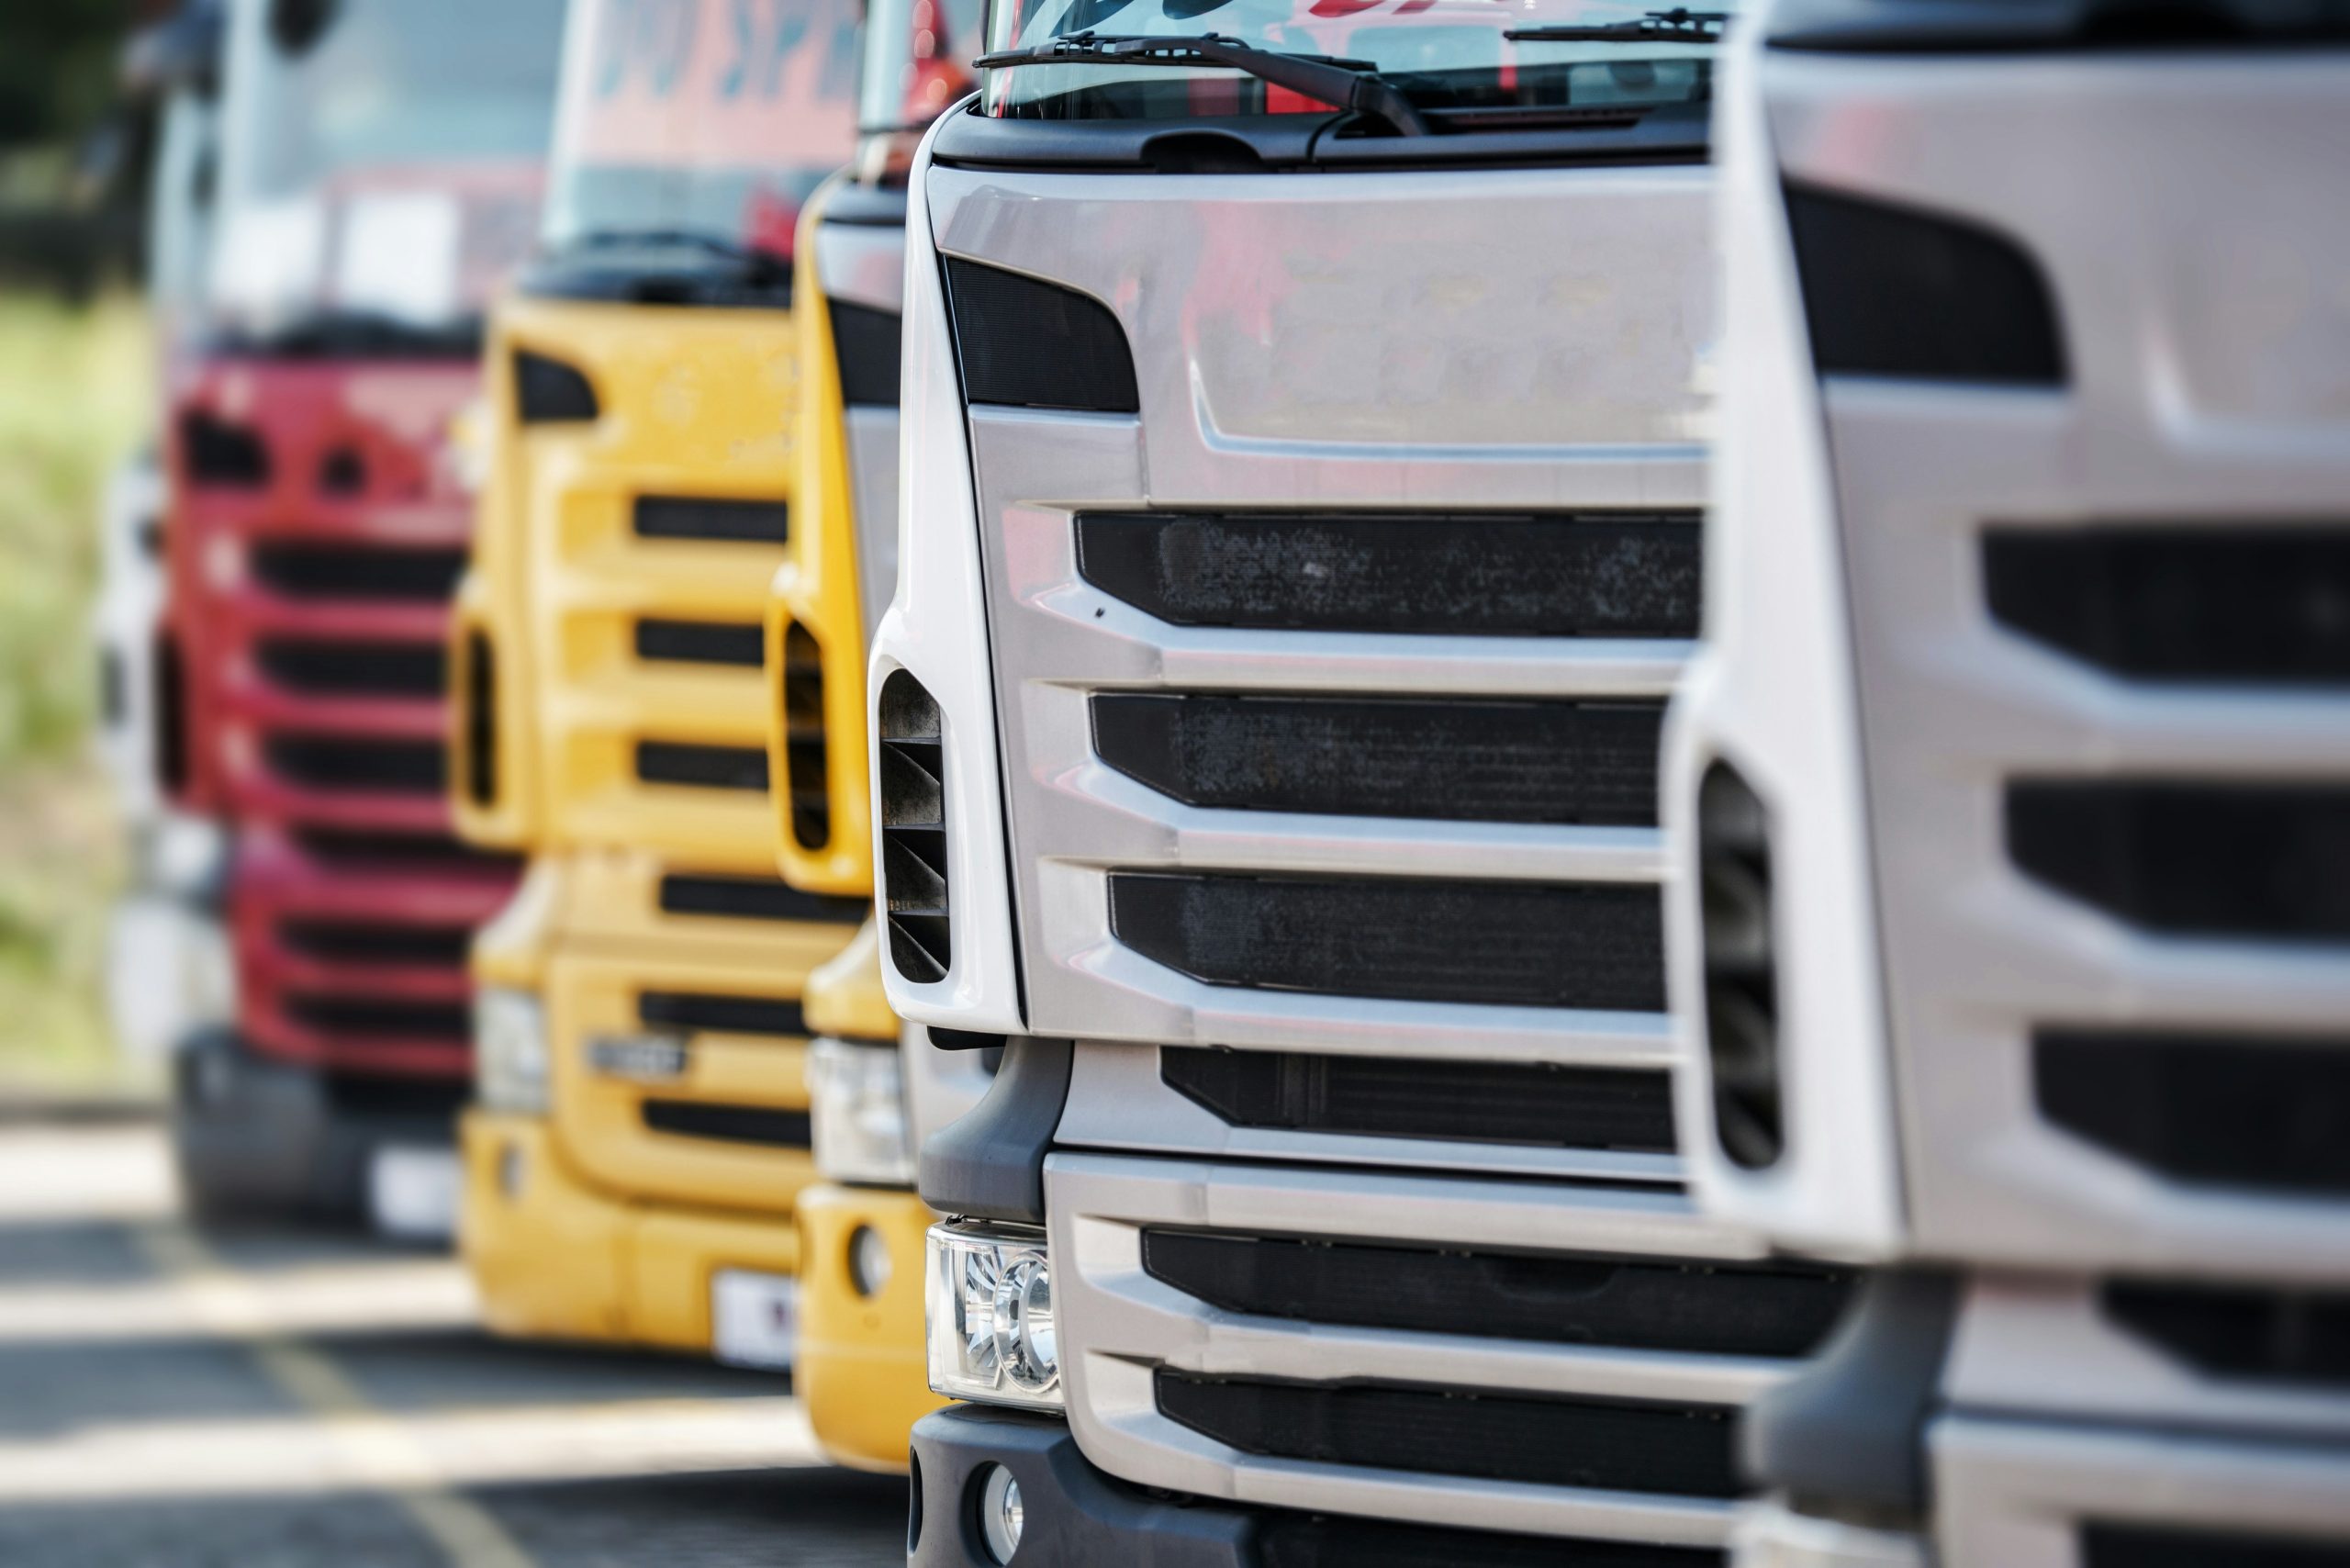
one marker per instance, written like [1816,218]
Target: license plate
[412,1192]
[753,1319]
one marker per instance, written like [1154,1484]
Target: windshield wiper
[757,266]
[1350,84]
[1679,25]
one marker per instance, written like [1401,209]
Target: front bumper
[553,1257]
[250,1135]
[861,1371]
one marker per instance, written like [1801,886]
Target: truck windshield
[918,57]
[699,126]
[1455,59]
[382,159]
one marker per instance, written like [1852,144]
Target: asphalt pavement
[171,1398]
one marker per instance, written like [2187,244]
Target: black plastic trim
[2283,1339]
[661,639]
[300,569]
[2147,1546]
[326,667]
[1849,1432]
[714,1013]
[868,347]
[358,765]
[1740,967]
[547,391]
[757,898]
[1976,27]
[989,1163]
[381,1018]
[696,766]
[1024,342]
[769,1126]
[720,519]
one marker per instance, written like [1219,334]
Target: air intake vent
[912,757]
[317,668]
[758,1124]
[1455,761]
[1316,1540]
[1740,969]
[1893,291]
[1571,575]
[357,942]
[1608,1445]
[1028,343]
[216,454]
[2266,1113]
[171,715]
[1537,1106]
[702,642]
[374,1095]
[757,898]
[373,1019]
[357,847]
[867,343]
[703,517]
[716,1014]
[547,391]
[480,720]
[807,758]
[1507,944]
[701,767]
[343,765]
[1624,1303]
[2213,860]
[2266,605]
[2280,1337]
[2116,1546]
[364,573]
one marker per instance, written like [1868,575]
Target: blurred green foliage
[57,65]
[76,396]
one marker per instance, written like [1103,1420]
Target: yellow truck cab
[640,1126]
[878,1087]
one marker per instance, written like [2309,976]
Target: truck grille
[370,1018]
[1471,1101]
[348,765]
[360,573]
[1631,1303]
[701,642]
[1509,944]
[701,767]
[1453,760]
[807,757]
[707,518]
[360,848]
[912,756]
[700,1012]
[1615,1446]
[755,898]
[2115,1546]
[363,942]
[317,667]
[2288,1337]
[728,1124]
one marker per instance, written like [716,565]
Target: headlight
[207,969]
[990,1312]
[510,1051]
[856,1106]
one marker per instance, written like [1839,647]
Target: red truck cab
[375,188]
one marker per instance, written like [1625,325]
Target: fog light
[989,1306]
[870,1264]
[510,1051]
[1000,1512]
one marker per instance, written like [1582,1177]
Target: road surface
[273,1400]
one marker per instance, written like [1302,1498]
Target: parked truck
[877,1088]
[373,185]
[1305,440]
[2009,793]
[641,1130]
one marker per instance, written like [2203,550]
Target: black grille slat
[1309,1540]
[480,720]
[550,391]
[807,756]
[1452,759]
[2191,860]
[216,452]
[717,518]
[910,757]
[2123,1546]
[710,1011]
[421,851]
[361,573]
[701,767]
[323,668]
[352,765]
[371,1018]
[2256,604]
[1568,575]
[702,642]
[373,1095]
[1697,1308]
[363,942]
[2292,1338]
[755,898]
[1538,1106]
[1740,966]
[1611,1445]
[2241,1112]
[1504,944]
[762,1126]
[171,713]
